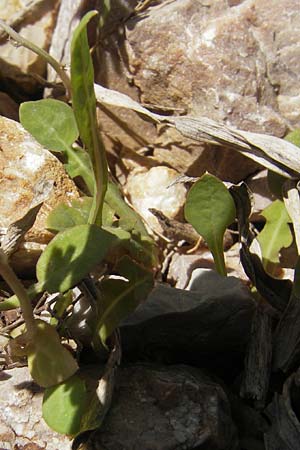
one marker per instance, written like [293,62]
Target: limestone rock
[232,61]
[151,189]
[23,164]
[213,59]
[21,423]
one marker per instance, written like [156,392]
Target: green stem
[101,179]
[39,51]
[219,262]
[11,279]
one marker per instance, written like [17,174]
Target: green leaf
[276,233]
[52,123]
[78,164]
[106,7]
[294,137]
[84,106]
[13,301]
[129,219]
[49,362]
[122,296]
[210,209]
[141,248]
[131,232]
[65,216]
[64,405]
[71,255]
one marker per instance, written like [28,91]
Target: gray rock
[208,326]
[159,408]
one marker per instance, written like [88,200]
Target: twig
[26,14]
[39,51]
[12,280]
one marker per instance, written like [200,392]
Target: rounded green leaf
[66,216]
[276,233]
[210,209]
[51,122]
[64,405]
[71,255]
[49,362]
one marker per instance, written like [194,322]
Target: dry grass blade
[274,153]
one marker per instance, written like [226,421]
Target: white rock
[152,189]
[21,419]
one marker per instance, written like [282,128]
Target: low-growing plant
[96,227]
[101,230]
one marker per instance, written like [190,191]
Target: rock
[151,190]
[212,59]
[34,21]
[23,164]
[8,107]
[230,61]
[21,423]
[171,407]
[208,326]
[262,196]
[159,408]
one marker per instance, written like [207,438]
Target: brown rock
[35,22]
[230,61]
[23,164]
[209,60]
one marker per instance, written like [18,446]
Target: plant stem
[101,179]
[219,262]
[39,51]
[12,280]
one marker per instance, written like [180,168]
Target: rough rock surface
[215,59]
[152,189]
[21,423]
[233,61]
[23,164]
[34,21]
[159,408]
